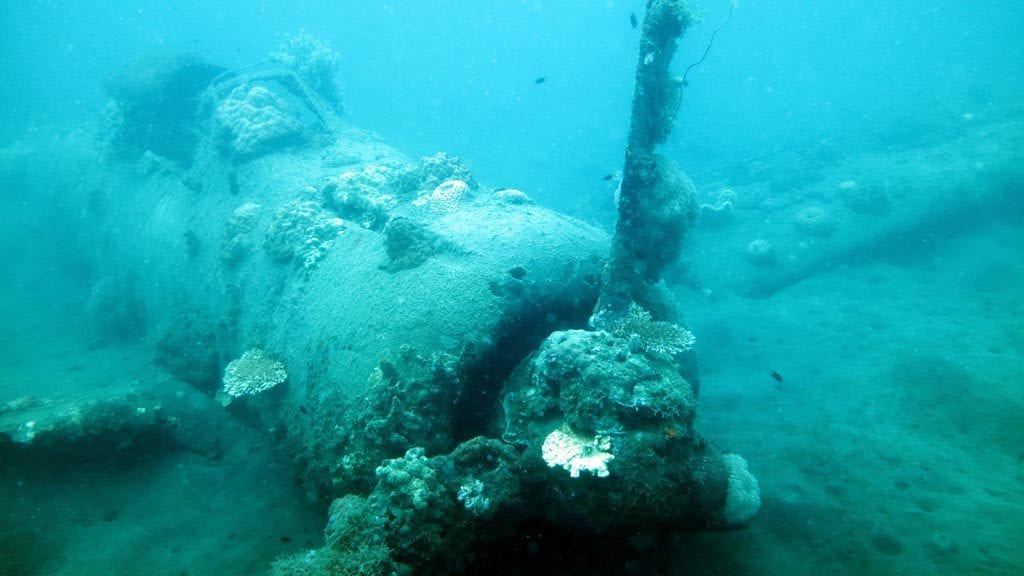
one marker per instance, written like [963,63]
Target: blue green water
[459,76]
[891,445]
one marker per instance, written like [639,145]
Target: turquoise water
[875,148]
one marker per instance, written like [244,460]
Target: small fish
[777,377]
[285,539]
[540,80]
[632,20]
[303,409]
[609,177]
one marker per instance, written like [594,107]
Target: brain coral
[447,197]
[814,221]
[512,196]
[760,252]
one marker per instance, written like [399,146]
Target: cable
[732,4]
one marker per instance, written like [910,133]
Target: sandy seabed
[891,446]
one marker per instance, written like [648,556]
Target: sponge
[743,495]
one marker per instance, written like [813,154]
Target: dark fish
[285,539]
[608,177]
[777,377]
[303,409]
[632,20]
[540,80]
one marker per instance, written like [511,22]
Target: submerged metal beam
[653,198]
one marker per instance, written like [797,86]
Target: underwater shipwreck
[458,371]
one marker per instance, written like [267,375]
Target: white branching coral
[253,373]
[648,335]
[578,453]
